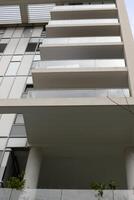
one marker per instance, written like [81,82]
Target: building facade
[66,94]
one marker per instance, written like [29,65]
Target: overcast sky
[130,8]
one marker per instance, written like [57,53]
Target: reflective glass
[78,93]
[27,32]
[12,69]
[16,58]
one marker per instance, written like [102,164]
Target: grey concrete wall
[79,173]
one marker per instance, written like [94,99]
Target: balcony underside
[83,13]
[81,51]
[83,30]
[58,122]
[80,78]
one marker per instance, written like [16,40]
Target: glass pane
[16,58]
[2,47]
[13,68]
[31,47]
[19,119]
[78,93]
[27,32]
[36,57]
[18,131]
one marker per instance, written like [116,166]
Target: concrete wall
[79,173]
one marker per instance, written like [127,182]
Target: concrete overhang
[70,122]
[82,12]
[5,2]
[80,78]
[12,2]
[79,30]
[79,50]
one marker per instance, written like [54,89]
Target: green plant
[16,182]
[102,186]
[99,187]
[112,185]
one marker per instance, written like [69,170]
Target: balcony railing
[51,194]
[79,93]
[71,64]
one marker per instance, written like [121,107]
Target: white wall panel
[25,65]
[0,79]
[17,142]
[13,68]
[18,32]
[18,87]
[3,142]
[4,62]
[22,46]
[5,87]
[37,31]
[5,158]
[8,32]
[4,163]
[11,46]
[6,122]
[16,58]
[30,80]
[0,83]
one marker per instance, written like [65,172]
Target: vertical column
[24,12]
[127,38]
[33,168]
[130,167]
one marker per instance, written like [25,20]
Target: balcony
[91,77]
[83,27]
[79,64]
[84,12]
[82,48]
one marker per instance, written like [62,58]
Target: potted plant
[16,182]
[100,187]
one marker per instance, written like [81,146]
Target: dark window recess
[75,3]
[2,47]
[31,47]
[44,28]
[28,87]
[38,49]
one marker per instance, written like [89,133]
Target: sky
[130,9]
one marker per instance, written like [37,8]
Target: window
[37,58]
[43,34]
[38,47]
[2,47]
[31,47]
[75,3]
[19,119]
[2,32]
[28,88]
[13,68]
[17,58]
[27,32]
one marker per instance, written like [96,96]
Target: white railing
[78,93]
[50,194]
[65,64]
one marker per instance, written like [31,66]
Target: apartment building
[66,93]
